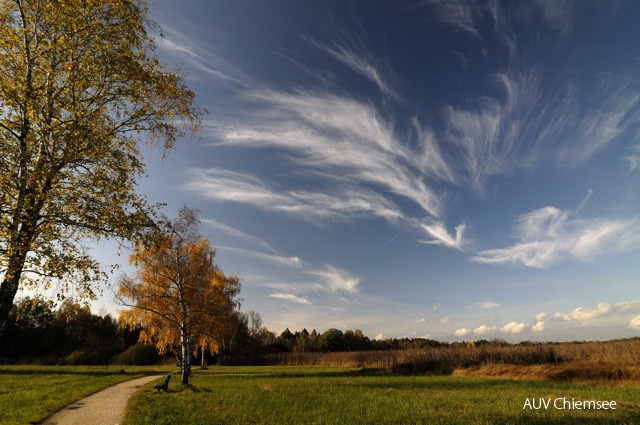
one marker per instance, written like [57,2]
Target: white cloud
[600,310]
[445,320]
[463,16]
[538,327]
[330,279]
[361,65]
[462,332]
[484,329]
[291,262]
[201,57]
[338,138]
[238,234]
[440,235]
[548,235]
[336,279]
[486,304]
[291,297]
[541,316]
[343,203]
[634,323]
[513,328]
[633,157]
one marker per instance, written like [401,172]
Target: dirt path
[105,407]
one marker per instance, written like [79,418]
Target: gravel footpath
[106,407]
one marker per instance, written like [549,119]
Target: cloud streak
[340,203]
[238,234]
[361,158]
[341,139]
[548,235]
[291,298]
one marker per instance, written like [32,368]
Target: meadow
[29,394]
[470,383]
[331,395]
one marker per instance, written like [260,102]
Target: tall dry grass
[617,360]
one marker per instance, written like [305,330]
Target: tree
[80,87]
[179,295]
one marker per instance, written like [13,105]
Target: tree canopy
[179,295]
[80,87]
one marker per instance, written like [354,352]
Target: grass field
[321,395]
[28,394]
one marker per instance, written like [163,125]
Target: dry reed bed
[610,361]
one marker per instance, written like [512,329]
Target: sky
[455,170]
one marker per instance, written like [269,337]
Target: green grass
[317,395]
[28,394]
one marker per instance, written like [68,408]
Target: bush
[85,357]
[139,354]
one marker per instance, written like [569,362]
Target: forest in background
[39,333]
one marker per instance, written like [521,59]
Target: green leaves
[80,87]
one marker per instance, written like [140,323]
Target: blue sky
[444,169]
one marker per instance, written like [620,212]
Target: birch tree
[80,88]
[179,295]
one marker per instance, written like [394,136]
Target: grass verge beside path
[319,395]
[29,394]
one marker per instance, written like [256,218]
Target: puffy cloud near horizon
[462,332]
[485,329]
[600,310]
[538,327]
[513,328]
[634,323]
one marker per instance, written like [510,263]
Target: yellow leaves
[178,290]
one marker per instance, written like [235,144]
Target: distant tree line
[335,340]
[39,332]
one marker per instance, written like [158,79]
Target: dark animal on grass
[164,386]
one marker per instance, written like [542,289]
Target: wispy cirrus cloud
[291,262]
[362,65]
[336,279]
[291,297]
[238,234]
[548,235]
[440,236]
[341,203]
[461,15]
[202,58]
[486,304]
[343,139]
[363,160]
[327,279]
[633,157]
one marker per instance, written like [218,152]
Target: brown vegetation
[610,361]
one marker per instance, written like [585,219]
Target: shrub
[139,354]
[85,357]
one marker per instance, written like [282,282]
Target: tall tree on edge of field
[80,86]
[179,295]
